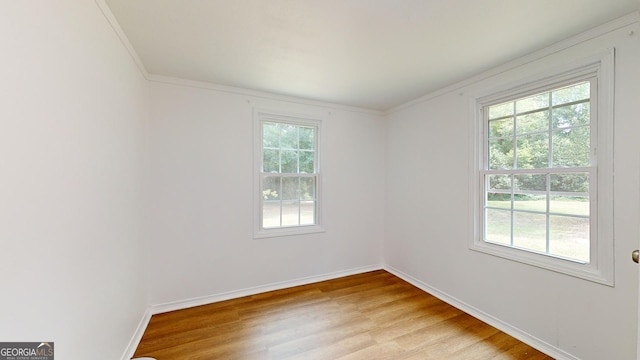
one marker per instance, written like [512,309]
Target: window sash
[547,212]
[299,200]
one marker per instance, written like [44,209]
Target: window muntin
[538,174]
[288,176]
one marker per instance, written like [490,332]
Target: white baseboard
[523,336]
[137,335]
[203,300]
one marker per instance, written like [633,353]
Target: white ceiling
[374,54]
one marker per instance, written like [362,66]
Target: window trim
[600,269]
[266,115]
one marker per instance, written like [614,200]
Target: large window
[288,174]
[544,174]
[538,172]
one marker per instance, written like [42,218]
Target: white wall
[428,224]
[201,214]
[73,109]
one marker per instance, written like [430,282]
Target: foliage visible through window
[289,175]
[538,172]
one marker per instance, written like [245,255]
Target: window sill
[559,265]
[288,231]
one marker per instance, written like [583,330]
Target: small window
[545,174]
[288,175]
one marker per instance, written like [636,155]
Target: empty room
[301,179]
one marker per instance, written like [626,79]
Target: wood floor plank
[490,348]
[374,315]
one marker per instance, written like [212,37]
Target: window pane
[499,182]
[307,138]
[271,161]
[271,188]
[288,136]
[499,194]
[501,128]
[290,188]
[307,188]
[570,194]
[501,154]
[530,182]
[271,214]
[530,202]
[498,226]
[532,103]
[572,115]
[572,183]
[571,147]
[500,110]
[270,135]
[570,205]
[289,159]
[499,200]
[571,93]
[527,192]
[530,231]
[533,151]
[537,121]
[290,213]
[569,237]
[306,162]
[307,212]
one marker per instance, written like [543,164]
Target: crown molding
[257,94]
[111,19]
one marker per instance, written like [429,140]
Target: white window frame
[261,116]
[600,69]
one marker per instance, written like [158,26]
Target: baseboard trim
[137,335]
[523,336]
[204,300]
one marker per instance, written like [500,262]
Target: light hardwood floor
[368,316]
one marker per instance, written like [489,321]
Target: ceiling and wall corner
[370,54]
